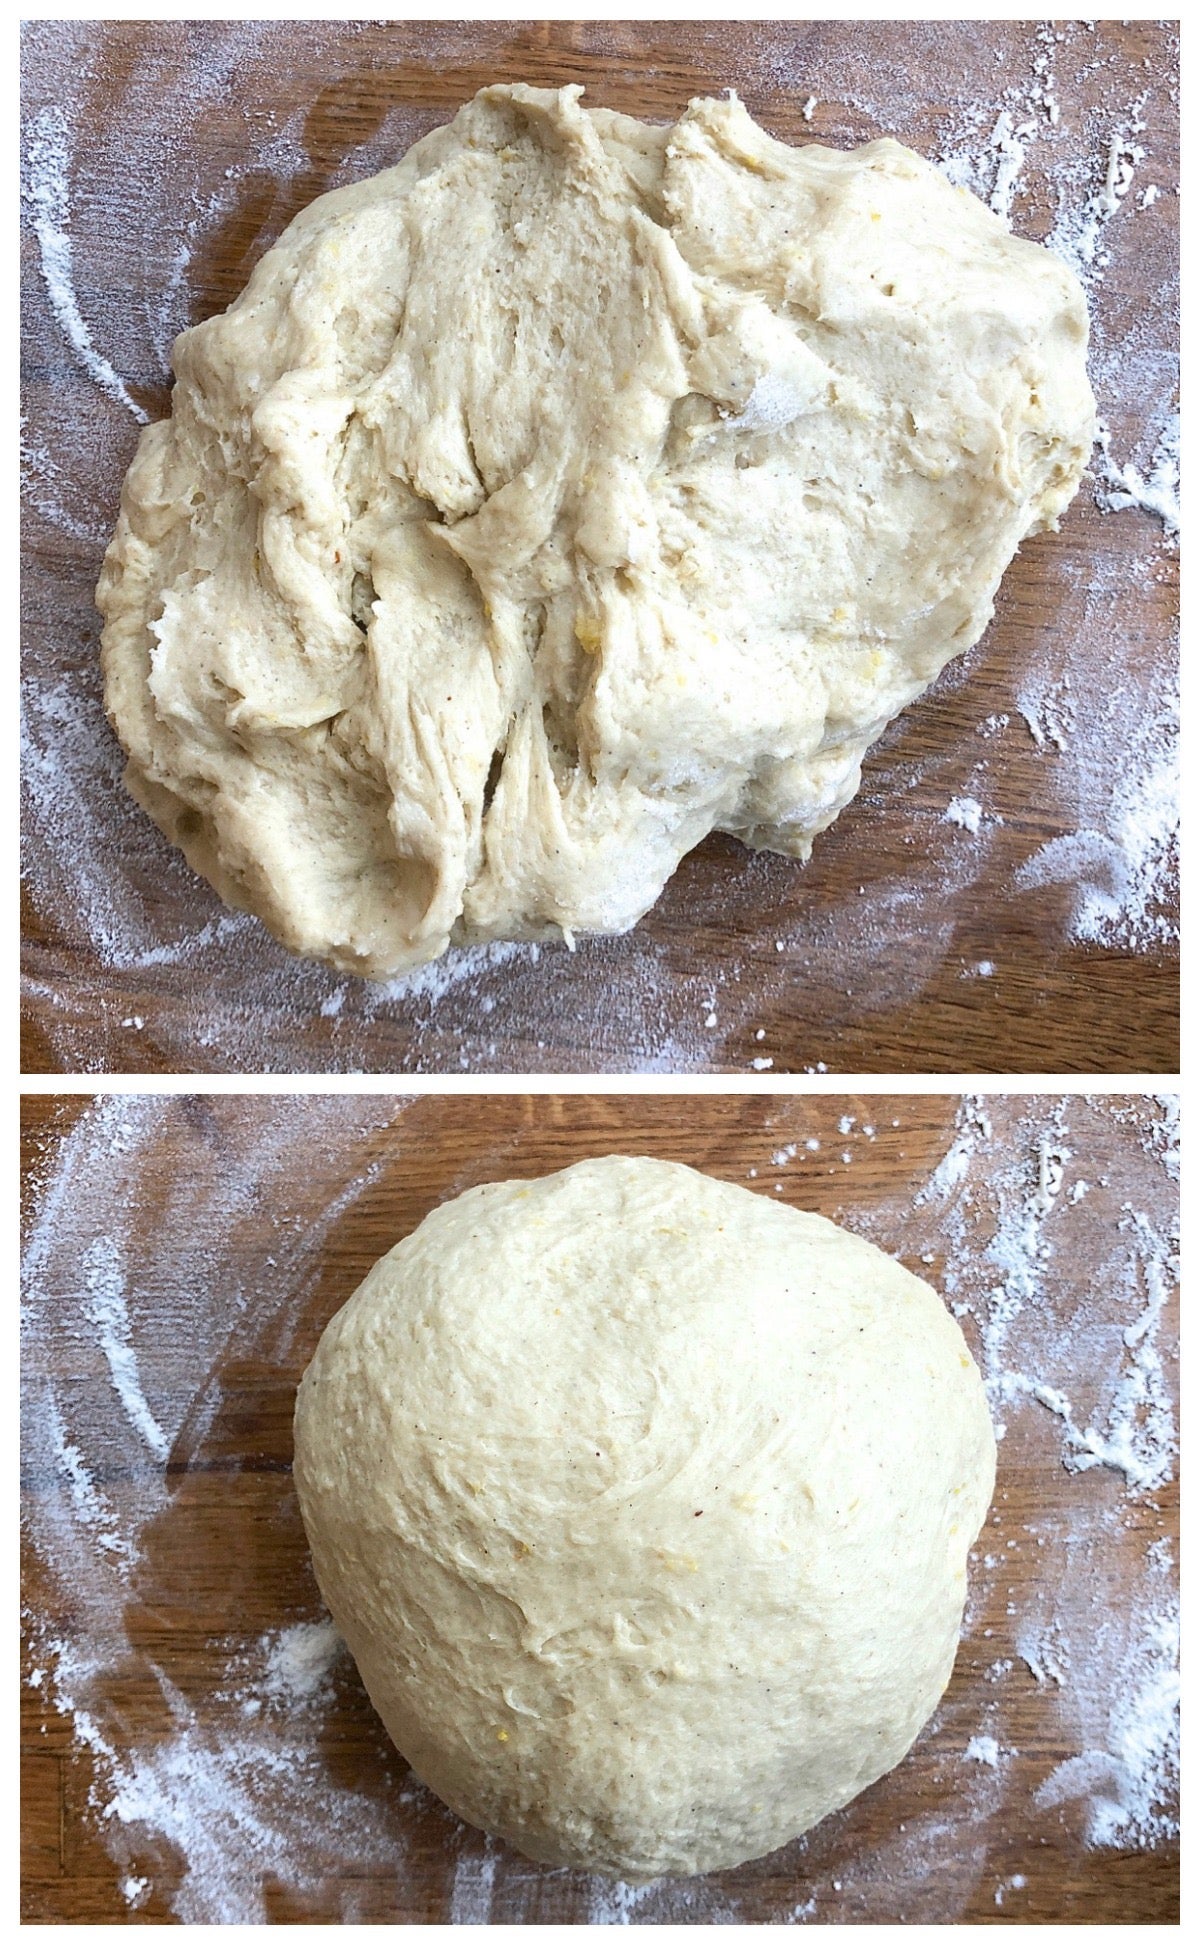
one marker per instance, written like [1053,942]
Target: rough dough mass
[572,490]
[644,1503]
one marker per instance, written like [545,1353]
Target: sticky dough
[563,494]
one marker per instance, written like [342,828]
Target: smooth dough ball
[644,1504]
[563,494]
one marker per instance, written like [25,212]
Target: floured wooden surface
[196,1748]
[1001,894]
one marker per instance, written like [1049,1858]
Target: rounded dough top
[569,491]
[644,1505]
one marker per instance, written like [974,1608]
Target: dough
[572,490]
[644,1504]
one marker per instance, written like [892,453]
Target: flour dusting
[299,1662]
[966,812]
[1128,1779]
[105,1309]
[150,1321]
[1156,491]
[983,1749]
[46,189]
[1069,1302]
[474,1881]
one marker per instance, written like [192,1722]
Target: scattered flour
[1044,1652]
[1009,144]
[983,1749]
[1157,491]
[966,812]
[1069,1297]
[801,1913]
[1127,1781]
[1049,713]
[299,1662]
[474,1879]
[1116,864]
[105,1309]
[220,1811]
[1078,236]
[973,1133]
[46,190]
[1016,1882]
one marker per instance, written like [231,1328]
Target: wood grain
[228,1559]
[906,1005]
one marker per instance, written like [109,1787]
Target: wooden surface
[880,933]
[227,1558]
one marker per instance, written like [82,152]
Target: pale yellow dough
[572,490]
[644,1504]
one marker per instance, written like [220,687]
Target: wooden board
[194,143]
[267,1213]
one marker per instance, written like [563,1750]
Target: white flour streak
[1116,869]
[617,1904]
[471,1894]
[1138,1438]
[453,969]
[1157,491]
[47,487]
[215,1805]
[92,1511]
[1009,145]
[974,1130]
[1138,1433]
[1049,712]
[47,187]
[1076,236]
[694,1901]
[1044,1652]
[105,1308]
